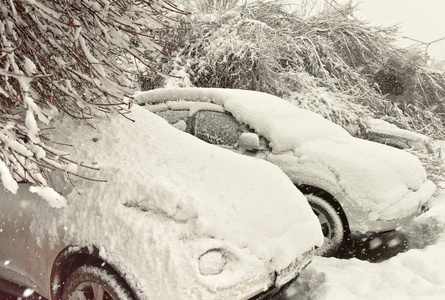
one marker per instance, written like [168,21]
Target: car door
[22,256]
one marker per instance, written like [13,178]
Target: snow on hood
[378,178]
[152,166]
[382,180]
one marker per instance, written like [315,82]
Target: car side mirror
[249,141]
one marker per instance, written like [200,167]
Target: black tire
[94,283]
[332,226]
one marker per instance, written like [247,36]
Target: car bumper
[389,225]
[274,292]
[285,277]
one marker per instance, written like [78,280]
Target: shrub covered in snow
[73,57]
[331,63]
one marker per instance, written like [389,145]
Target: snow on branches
[71,57]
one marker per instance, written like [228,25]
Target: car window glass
[173,116]
[217,128]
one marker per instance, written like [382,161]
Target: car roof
[282,123]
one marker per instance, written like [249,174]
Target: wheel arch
[71,258]
[309,189]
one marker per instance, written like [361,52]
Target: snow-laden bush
[413,94]
[340,110]
[71,57]
[261,45]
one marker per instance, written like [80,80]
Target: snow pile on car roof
[267,114]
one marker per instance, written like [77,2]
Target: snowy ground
[417,273]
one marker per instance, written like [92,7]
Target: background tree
[69,57]
[331,62]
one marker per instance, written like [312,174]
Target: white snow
[387,133]
[29,66]
[8,182]
[53,198]
[249,141]
[27,292]
[31,124]
[413,275]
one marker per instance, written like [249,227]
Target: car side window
[177,118]
[173,116]
[217,128]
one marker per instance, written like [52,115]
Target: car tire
[331,225]
[94,283]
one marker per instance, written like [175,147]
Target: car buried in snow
[356,187]
[166,217]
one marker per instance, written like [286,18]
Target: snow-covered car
[389,134]
[166,217]
[355,187]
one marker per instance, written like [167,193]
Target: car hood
[148,164]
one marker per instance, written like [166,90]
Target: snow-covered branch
[71,58]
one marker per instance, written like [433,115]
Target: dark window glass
[173,116]
[217,128]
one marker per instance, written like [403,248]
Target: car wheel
[331,226]
[94,283]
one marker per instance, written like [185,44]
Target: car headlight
[212,262]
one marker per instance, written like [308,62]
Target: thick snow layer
[372,181]
[168,198]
